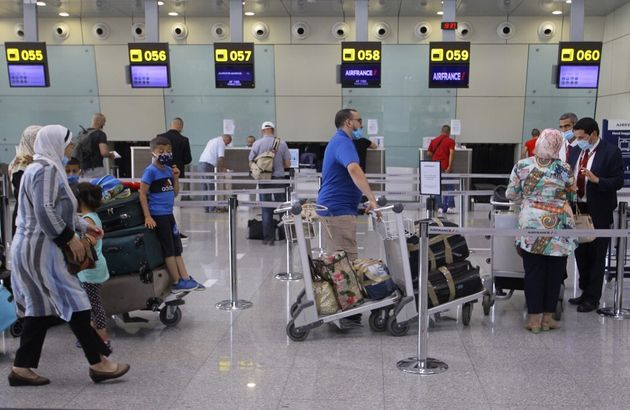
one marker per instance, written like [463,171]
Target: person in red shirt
[442,148]
[530,144]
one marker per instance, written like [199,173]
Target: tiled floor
[244,360]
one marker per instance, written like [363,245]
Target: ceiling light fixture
[556,12]
[251,385]
[41,3]
[568,1]
[160,3]
[173,13]
[64,14]
[440,13]
[250,13]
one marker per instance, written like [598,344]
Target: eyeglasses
[357,119]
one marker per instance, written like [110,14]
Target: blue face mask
[356,134]
[64,161]
[584,145]
[166,159]
[73,179]
[568,135]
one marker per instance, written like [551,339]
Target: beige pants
[341,234]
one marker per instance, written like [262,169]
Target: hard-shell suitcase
[132,250]
[7,309]
[136,291]
[507,265]
[452,282]
[443,249]
[121,213]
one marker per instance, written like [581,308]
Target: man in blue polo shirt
[342,184]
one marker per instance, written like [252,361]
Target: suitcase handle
[113,249]
[124,216]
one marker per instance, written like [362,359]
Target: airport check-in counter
[375,164]
[462,163]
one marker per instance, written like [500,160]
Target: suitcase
[255,232]
[443,249]
[507,265]
[7,309]
[136,291]
[452,282]
[132,250]
[121,213]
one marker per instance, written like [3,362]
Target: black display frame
[31,49]
[149,49]
[226,59]
[350,58]
[445,60]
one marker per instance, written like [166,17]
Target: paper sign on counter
[372,126]
[228,127]
[456,127]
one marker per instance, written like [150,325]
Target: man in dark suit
[179,144]
[598,169]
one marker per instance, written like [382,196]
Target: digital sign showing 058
[361,64]
[27,64]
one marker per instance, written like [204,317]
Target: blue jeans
[445,202]
[207,167]
[268,222]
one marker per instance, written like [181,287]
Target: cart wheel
[559,310]
[378,320]
[487,304]
[170,316]
[295,333]
[16,328]
[466,313]
[395,328]
[293,309]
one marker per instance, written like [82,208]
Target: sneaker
[440,212]
[183,285]
[198,286]
[451,211]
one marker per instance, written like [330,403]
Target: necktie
[568,152]
[581,179]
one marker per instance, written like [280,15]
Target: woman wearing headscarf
[543,185]
[23,157]
[44,290]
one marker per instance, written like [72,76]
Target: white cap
[267,124]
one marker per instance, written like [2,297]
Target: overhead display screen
[149,65]
[449,64]
[234,65]
[578,64]
[361,64]
[27,64]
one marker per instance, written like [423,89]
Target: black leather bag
[121,213]
[452,282]
[443,249]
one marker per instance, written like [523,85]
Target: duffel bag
[132,250]
[337,269]
[375,278]
[443,249]
[121,213]
[452,282]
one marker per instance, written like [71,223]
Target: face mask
[568,135]
[64,161]
[73,179]
[356,134]
[165,159]
[584,145]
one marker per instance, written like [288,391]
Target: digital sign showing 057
[234,65]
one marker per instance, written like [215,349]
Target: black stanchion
[430,206]
[7,221]
[234,303]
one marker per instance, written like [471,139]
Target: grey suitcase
[135,291]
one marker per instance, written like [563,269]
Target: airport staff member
[566,123]
[213,158]
[342,184]
[598,169]
[442,148]
[179,144]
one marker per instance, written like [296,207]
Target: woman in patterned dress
[543,185]
[44,290]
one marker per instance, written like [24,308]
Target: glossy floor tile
[244,360]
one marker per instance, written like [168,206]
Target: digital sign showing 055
[27,64]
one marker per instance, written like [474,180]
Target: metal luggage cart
[392,312]
[610,268]
[506,266]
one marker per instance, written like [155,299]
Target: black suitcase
[452,282]
[130,250]
[121,213]
[443,249]
[255,230]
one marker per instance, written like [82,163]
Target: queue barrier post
[617,311]
[430,207]
[421,364]
[462,204]
[289,275]
[7,221]
[234,303]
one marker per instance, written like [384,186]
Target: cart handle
[289,206]
[495,203]
[397,208]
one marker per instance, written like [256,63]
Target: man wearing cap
[281,161]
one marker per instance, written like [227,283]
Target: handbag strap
[449,282]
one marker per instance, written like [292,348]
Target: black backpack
[83,148]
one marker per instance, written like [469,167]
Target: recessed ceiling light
[440,13]
[556,12]
[160,3]
[250,13]
[568,1]
[173,13]
[64,14]
[251,385]
[41,3]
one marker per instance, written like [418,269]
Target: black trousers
[543,279]
[591,261]
[34,333]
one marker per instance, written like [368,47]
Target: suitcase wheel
[297,334]
[466,313]
[395,328]
[170,315]
[378,320]
[487,303]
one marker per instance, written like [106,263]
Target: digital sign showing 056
[149,65]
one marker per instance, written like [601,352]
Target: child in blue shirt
[159,186]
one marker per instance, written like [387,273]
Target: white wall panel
[111,62]
[200,30]
[606,69]
[46,27]
[133,118]
[620,73]
[307,69]
[393,25]
[617,23]
[120,31]
[279,30]
[407,25]
[306,118]
[321,30]
[613,106]
[7,30]
[491,119]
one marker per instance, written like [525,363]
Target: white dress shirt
[215,148]
[591,155]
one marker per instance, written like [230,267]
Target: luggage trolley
[506,266]
[392,312]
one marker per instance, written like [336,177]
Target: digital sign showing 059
[27,64]
[361,64]
[149,65]
[234,65]
[449,64]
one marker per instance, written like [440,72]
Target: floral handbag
[339,271]
[325,300]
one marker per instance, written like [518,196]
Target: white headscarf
[24,150]
[50,144]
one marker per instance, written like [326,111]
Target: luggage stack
[451,275]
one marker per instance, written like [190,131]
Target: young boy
[73,170]
[159,187]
